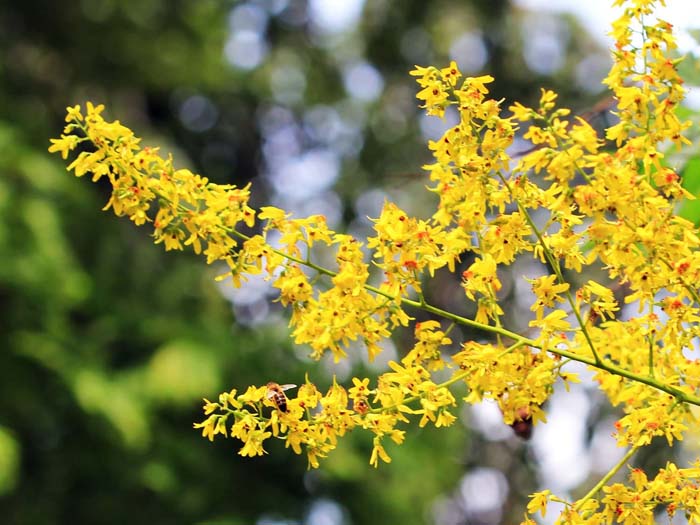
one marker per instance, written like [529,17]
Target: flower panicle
[573,202]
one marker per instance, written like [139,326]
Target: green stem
[650,337]
[519,339]
[560,277]
[557,269]
[604,480]
[454,379]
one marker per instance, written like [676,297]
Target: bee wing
[271,392]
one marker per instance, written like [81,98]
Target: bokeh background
[109,344]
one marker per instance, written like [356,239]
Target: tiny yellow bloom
[538,502]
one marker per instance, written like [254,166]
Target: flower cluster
[568,202]
[311,422]
[642,501]
[191,211]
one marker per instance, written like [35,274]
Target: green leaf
[690,209]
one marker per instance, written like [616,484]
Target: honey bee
[275,393]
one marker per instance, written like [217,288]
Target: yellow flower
[213,425]
[378,452]
[481,277]
[253,394]
[435,98]
[553,322]
[360,389]
[478,83]
[538,502]
[73,114]
[547,293]
[253,445]
[423,72]
[547,99]
[522,113]
[451,73]
[64,145]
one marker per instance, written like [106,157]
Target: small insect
[275,393]
[523,425]
[523,428]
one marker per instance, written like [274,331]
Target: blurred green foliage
[688,162]
[110,344]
